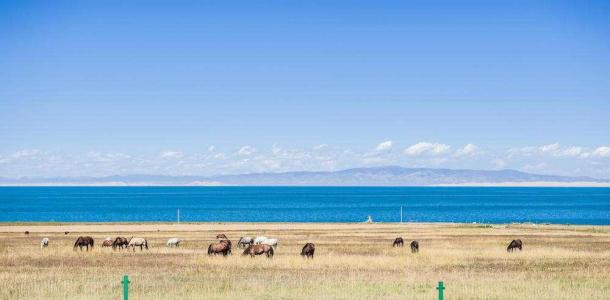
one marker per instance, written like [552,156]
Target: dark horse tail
[146,244]
[271,251]
[92,242]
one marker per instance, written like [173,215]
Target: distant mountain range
[376,176]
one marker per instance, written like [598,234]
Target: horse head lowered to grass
[259,249]
[84,241]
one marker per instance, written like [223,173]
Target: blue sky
[181,87]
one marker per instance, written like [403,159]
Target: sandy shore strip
[232,226]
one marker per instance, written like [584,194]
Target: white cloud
[246,150]
[555,150]
[171,154]
[320,147]
[211,148]
[375,160]
[499,163]
[106,157]
[603,151]
[26,153]
[523,151]
[550,158]
[468,150]
[552,148]
[383,146]
[276,149]
[573,151]
[427,148]
[272,164]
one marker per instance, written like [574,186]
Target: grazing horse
[245,241]
[260,249]
[135,242]
[85,241]
[44,243]
[120,242]
[308,250]
[270,242]
[515,244]
[398,242]
[259,240]
[414,247]
[173,242]
[66,233]
[223,247]
[27,232]
[107,242]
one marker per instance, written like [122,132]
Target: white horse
[138,242]
[270,242]
[44,243]
[173,242]
[259,239]
[245,240]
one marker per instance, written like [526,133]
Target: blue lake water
[306,204]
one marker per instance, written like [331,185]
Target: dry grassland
[353,261]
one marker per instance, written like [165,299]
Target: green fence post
[125,287]
[440,288]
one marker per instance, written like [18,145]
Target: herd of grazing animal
[253,246]
[399,242]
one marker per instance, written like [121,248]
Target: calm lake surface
[306,204]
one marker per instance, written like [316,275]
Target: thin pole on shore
[178,213]
[401,214]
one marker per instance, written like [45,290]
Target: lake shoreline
[45,227]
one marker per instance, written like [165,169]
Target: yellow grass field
[353,261]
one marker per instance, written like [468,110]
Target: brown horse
[223,247]
[398,242]
[259,249]
[120,242]
[84,241]
[66,233]
[107,243]
[222,236]
[308,250]
[27,232]
[515,244]
[414,247]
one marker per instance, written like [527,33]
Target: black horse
[515,244]
[398,242]
[414,247]
[120,243]
[308,250]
